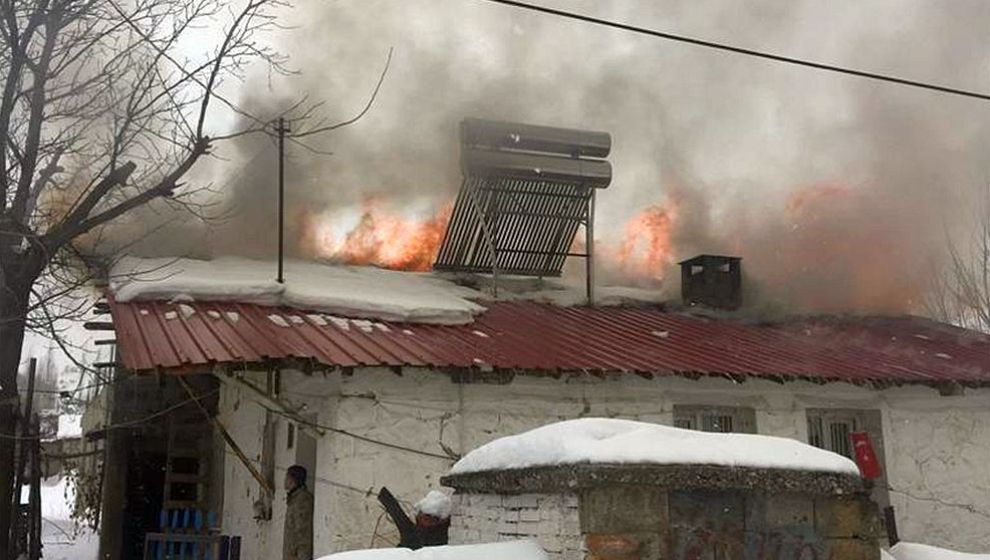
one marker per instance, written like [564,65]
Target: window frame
[861,420]
[698,417]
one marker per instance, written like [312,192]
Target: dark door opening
[143,498]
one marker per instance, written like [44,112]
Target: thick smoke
[837,191]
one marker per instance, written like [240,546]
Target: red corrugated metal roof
[545,338]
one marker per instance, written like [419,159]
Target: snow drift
[914,551]
[365,292]
[605,440]
[511,550]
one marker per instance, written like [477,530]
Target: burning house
[372,378]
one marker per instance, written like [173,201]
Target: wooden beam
[226,436]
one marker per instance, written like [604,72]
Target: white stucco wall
[937,448]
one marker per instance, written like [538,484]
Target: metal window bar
[722,423]
[816,436]
[839,436]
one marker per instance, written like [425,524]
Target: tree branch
[367,107]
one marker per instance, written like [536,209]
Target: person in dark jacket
[297,540]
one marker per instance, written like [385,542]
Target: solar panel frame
[514,226]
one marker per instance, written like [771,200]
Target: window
[290,439]
[723,419]
[831,428]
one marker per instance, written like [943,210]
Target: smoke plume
[836,191]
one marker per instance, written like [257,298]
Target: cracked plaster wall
[937,448]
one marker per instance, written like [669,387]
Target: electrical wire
[362,438]
[739,50]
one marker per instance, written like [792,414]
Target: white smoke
[738,137]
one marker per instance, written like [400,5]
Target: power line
[740,50]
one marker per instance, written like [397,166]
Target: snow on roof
[345,290]
[611,441]
[509,550]
[436,503]
[914,551]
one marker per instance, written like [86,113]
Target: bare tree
[100,113]
[960,292]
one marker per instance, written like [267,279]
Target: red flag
[866,457]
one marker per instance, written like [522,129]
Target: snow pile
[914,551]
[604,440]
[509,550]
[436,503]
[343,290]
[69,426]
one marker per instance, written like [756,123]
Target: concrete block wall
[639,521]
[550,519]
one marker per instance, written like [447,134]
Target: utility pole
[281,129]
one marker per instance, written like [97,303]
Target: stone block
[528,527]
[788,510]
[521,501]
[529,515]
[847,517]
[853,549]
[602,546]
[623,509]
[725,511]
[507,528]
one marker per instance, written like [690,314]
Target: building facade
[365,404]
[933,447]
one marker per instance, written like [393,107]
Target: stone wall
[936,447]
[642,523]
[648,523]
[550,519]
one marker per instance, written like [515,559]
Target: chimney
[714,281]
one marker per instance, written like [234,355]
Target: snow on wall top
[436,503]
[509,550]
[914,551]
[611,441]
[344,290]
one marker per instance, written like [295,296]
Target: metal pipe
[281,195]
[589,260]
[536,167]
[527,137]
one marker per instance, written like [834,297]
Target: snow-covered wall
[936,447]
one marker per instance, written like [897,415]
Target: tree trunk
[15,287]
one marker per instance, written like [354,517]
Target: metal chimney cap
[700,259]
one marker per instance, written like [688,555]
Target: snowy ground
[914,551]
[59,535]
[513,550]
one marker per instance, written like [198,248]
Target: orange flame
[841,254]
[381,237]
[647,243]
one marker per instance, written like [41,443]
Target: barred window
[831,429]
[722,419]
